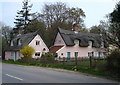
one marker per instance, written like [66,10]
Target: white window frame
[37,54]
[19,42]
[102,44]
[76,42]
[11,43]
[91,54]
[90,44]
[37,42]
[75,54]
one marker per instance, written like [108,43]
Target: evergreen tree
[23,17]
[114,29]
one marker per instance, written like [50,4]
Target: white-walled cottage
[31,39]
[71,44]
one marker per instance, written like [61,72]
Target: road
[30,74]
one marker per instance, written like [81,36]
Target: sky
[95,10]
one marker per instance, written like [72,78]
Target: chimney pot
[75,27]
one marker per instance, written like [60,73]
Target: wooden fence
[80,59]
[83,61]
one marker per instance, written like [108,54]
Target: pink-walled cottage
[31,39]
[71,44]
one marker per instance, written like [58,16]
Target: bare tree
[6,30]
[60,13]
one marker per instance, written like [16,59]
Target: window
[76,54]
[37,42]
[61,53]
[102,44]
[90,43]
[90,53]
[18,42]
[37,54]
[76,42]
[11,43]
[59,41]
[104,53]
[44,49]
[12,53]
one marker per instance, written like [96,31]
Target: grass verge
[82,69]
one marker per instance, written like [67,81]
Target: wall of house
[11,55]
[8,55]
[40,47]
[82,51]
[59,41]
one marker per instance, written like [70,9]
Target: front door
[68,55]
[99,54]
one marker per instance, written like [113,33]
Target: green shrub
[47,59]
[113,61]
[10,60]
[29,61]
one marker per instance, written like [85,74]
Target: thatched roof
[69,37]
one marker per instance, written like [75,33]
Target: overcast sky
[95,10]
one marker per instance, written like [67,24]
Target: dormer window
[18,42]
[102,44]
[76,42]
[11,43]
[90,43]
[75,32]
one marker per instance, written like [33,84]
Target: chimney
[19,31]
[75,27]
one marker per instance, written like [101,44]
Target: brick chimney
[19,31]
[75,27]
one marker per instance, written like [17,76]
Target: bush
[25,60]
[113,61]
[47,59]
[27,51]
[29,61]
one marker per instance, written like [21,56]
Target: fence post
[63,60]
[76,60]
[90,61]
